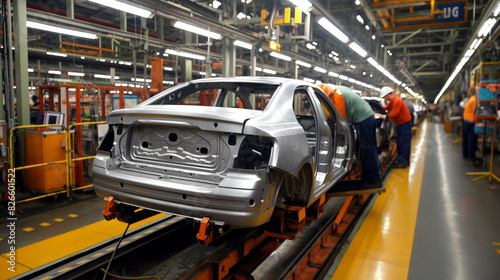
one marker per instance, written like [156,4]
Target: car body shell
[231,161]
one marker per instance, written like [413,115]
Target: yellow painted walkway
[65,245]
[383,244]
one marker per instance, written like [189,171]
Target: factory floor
[433,222]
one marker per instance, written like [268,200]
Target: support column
[70,9]
[21,60]
[228,58]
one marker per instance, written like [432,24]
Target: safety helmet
[385,91]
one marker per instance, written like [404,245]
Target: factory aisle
[432,223]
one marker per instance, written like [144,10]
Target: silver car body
[263,142]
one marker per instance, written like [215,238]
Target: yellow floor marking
[65,269]
[48,277]
[58,220]
[84,261]
[66,244]
[1,239]
[28,229]
[97,255]
[72,215]
[498,251]
[45,224]
[496,243]
[382,247]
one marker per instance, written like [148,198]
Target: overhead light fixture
[77,74]
[269,71]
[486,27]
[141,80]
[57,54]
[303,5]
[303,63]
[54,72]
[197,30]
[216,4]
[469,52]
[280,56]
[168,68]
[342,77]
[360,19]
[125,7]
[60,30]
[333,30]
[100,76]
[31,70]
[476,43]
[333,74]
[183,54]
[358,49]
[319,69]
[243,44]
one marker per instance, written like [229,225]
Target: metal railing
[68,161]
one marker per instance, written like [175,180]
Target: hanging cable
[114,252]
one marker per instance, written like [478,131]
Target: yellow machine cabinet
[43,146]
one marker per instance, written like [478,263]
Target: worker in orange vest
[469,137]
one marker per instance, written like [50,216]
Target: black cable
[114,252]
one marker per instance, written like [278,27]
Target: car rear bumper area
[244,198]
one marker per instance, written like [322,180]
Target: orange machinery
[80,104]
[43,146]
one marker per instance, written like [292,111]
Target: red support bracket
[206,232]
[110,209]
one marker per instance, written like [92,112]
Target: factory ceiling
[419,42]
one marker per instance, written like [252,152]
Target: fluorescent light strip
[243,44]
[358,49]
[124,7]
[141,80]
[31,70]
[281,56]
[477,43]
[302,63]
[333,30]
[105,76]
[184,54]
[486,27]
[197,30]
[54,72]
[77,74]
[333,74]
[303,5]
[57,54]
[269,71]
[319,69]
[360,19]
[60,30]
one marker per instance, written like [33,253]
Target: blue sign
[453,13]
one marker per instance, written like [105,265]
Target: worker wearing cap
[469,137]
[398,111]
[359,113]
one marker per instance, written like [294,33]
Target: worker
[35,116]
[359,113]
[402,118]
[469,137]
[410,106]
